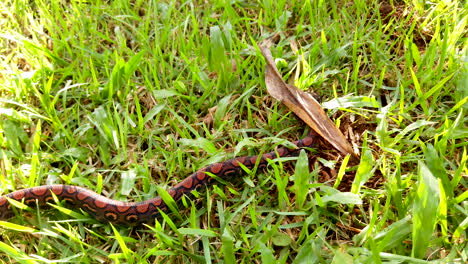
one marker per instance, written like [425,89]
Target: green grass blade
[425,207]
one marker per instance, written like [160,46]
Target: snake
[121,213]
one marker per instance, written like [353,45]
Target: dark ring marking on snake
[135,213]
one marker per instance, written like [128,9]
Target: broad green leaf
[15,227]
[197,232]
[393,235]
[128,181]
[153,112]
[436,166]
[351,102]
[343,198]
[202,143]
[365,169]
[266,254]
[281,239]
[425,209]
[341,257]
[301,179]
[228,247]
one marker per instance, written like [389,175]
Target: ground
[127,98]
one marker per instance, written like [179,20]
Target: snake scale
[136,213]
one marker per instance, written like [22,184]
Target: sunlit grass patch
[127,98]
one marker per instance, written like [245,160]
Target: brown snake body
[135,213]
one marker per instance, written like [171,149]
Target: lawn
[127,98]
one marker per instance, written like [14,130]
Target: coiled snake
[135,213]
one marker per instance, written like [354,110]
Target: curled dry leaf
[303,105]
[209,118]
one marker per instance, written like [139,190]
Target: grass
[129,97]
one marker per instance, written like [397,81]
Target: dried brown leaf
[303,105]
